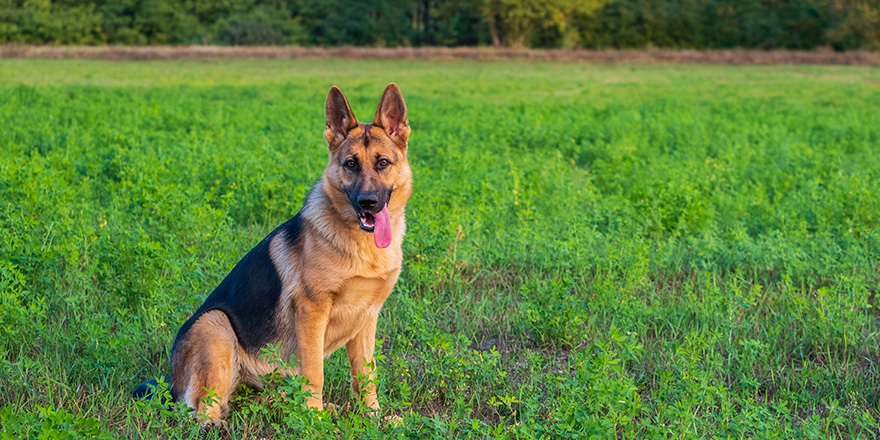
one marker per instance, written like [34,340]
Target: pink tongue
[382,229]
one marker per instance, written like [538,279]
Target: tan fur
[334,280]
[210,360]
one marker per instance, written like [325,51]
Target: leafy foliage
[765,24]
[592,250]
[510,21]
[50,424]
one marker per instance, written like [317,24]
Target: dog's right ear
[340,118]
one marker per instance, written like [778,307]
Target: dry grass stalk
[733,56]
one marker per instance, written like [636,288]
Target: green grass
[594,251]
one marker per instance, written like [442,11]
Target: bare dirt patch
[735,56]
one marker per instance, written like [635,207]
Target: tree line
[691,24]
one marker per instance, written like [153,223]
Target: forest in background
[569,24]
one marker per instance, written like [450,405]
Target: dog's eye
[384,162]
[350,163]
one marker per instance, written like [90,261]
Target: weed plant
[593,251]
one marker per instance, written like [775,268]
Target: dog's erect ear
[391,114]
[340,118]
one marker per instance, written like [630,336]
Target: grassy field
[594,251]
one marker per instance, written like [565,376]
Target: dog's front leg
[360,357]
[311,325]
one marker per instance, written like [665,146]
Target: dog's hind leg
[205,366]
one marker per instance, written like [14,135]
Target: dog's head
[368,164]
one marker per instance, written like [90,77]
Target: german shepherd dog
[315,283]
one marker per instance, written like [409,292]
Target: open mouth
[367,221]
[378,224]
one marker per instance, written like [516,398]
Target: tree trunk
[518,42]
[493,30]
[426,22]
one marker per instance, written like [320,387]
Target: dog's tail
[150,388]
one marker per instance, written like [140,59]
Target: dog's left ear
[340,118]
[391,115]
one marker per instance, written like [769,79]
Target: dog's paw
[209,424]
[393,420]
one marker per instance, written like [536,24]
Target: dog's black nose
[368,200]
